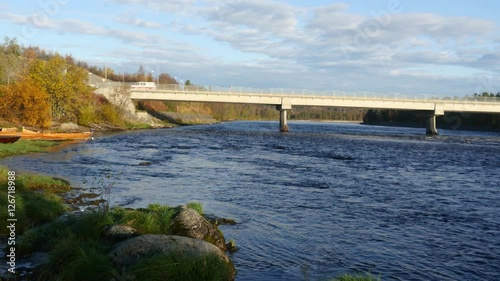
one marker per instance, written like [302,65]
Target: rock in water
[189,223]
[128,252]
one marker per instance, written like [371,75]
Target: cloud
[165,6]
[137,22]
[39,20]
[274,42]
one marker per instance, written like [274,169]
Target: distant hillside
[226,112]
[451,120]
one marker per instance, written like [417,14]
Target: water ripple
[322,200]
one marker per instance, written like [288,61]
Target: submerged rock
[189,223]
[215,220]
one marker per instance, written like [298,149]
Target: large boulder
[189,223]
[128,252]
[70,127]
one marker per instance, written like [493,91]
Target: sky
[408,47]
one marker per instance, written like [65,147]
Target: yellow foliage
[110,114]
[25,102]
[65,85]
[87,116]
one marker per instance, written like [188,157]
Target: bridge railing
[310,93]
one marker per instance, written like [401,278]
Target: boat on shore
[32,135]
[9,139]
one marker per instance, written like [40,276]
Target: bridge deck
[289,100]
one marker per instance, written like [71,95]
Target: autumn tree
[141,73]
[165,78]
[10,53]
[25,102]
[65,85]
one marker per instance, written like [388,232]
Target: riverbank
[26,146]
[51,239]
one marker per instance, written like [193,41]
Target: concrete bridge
[284,100]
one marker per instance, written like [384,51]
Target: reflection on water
[324,199]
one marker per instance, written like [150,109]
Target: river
[324,199]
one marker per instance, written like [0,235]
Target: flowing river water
[322,200]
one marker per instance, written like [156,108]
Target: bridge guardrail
[305,93]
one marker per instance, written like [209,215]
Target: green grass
[25,146]
[178,267]
[153,220]
[138,126]
[78,252]
[198,207]
[75,243]
[75,259]
[356,277]
[35,199]
[86,227]
[43,183]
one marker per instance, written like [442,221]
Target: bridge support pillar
[286,104]
[431,129]
[283,120]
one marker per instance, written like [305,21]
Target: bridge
[284,100]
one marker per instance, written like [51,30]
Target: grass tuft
[86,227]
[198,207]
[178,267]
[76,259]
[153,220]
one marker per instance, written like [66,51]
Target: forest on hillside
[38,88]
[450,120]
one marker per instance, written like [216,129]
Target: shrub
[109,113]
[86,116]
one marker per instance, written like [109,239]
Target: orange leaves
[24,101]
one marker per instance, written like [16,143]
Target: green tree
[65,84]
